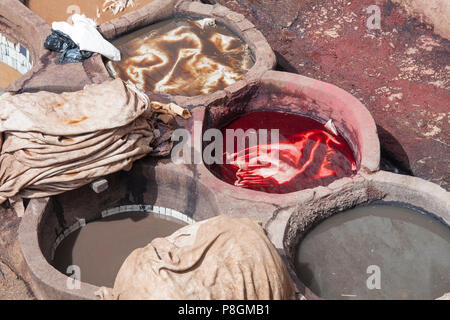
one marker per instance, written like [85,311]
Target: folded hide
[53,143]
[220,258]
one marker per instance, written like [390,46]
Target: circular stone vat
[305,154]
[182,56]
[61,10]
[408,250]
[52,228]
[325,136]
[385,238]
[193,62]
[99,248]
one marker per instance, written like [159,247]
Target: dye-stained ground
[14,279]
[401,72]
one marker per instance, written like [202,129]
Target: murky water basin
[99,249]
[376,252]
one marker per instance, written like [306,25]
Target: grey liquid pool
[100,248]
[376,252]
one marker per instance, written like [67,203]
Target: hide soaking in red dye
[307,155]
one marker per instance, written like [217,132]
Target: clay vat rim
[41,271]
[369,144]
[381,186]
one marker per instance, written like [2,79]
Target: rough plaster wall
[434,12]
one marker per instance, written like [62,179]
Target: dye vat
[62,10]
[306,156]
[182,57]
[148,188]
[408,250]
[8,75]
[100,248]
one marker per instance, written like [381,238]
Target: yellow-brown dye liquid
[182,57]
[8,75]
[61,10]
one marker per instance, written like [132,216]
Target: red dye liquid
[306,156]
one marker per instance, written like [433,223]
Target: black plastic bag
[74,55]
[60,42]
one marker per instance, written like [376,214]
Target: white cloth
[85,34]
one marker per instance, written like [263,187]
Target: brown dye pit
[100,248]
[7,75]
[71,175]
[338,258]
[181,57]
[61,10]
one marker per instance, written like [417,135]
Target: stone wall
[15,55]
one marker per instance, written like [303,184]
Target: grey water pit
[378,251]
[99,249]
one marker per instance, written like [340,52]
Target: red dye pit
[307,155]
